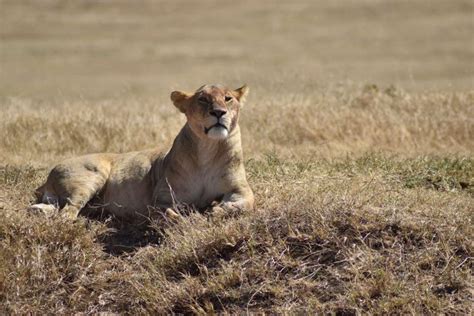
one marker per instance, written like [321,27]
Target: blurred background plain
[103,48]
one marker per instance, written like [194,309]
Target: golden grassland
[320,123]
[364,192]
[375,234]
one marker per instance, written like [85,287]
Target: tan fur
[204,166]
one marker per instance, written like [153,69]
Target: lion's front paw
[227,209]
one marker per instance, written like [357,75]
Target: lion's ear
[180,100]
[241,93]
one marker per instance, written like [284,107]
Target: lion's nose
[217,112]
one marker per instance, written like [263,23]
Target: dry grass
[318,123]
[364,193]
[375,234]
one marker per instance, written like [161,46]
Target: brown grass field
[358,137]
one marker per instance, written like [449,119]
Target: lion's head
[212,111]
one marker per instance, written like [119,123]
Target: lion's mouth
[207,129]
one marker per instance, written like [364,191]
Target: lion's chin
[218,132]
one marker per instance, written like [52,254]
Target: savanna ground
[358,137]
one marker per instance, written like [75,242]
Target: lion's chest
[200,188]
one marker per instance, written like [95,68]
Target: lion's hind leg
[42,208]
[69,188]
[75,195]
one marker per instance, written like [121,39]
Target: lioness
[204,166]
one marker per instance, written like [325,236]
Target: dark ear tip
[175,95]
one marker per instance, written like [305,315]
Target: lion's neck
[194,151]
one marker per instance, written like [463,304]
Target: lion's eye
[203,100]
[228,98]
